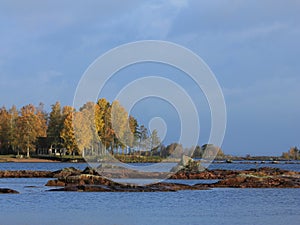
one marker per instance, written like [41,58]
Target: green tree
[55,126]
[88,131]
[133,124]
[5,119]
[154,141]
[121,126]
[143,138]
[14,114]
[103,124]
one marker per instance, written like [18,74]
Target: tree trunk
[28,153]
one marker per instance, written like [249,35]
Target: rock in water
[8,191]
[55,183]
[188,164]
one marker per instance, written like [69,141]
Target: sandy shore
[29,160]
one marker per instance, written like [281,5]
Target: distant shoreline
[35,160]
[135,159]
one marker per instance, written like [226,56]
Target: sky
[252,47]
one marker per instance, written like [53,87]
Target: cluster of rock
[249,181]
[264,177]
[89,180]
[71,179]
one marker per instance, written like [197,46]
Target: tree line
[94,127]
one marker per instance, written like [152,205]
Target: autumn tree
[85,129]
[41,122]
[30,125]
[293,153]
[121,126]
[81,131]
[97,125]
[67,133]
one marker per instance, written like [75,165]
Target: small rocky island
[71,179]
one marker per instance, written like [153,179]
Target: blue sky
[252,47]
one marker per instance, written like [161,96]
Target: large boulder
[188,164]
[62,174]
[55,183]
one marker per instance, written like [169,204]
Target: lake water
[227,166]
[35,206]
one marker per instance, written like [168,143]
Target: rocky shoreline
[88,180]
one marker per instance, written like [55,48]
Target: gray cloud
[252,47]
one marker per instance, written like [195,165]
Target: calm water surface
[35,206]
[227,166]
